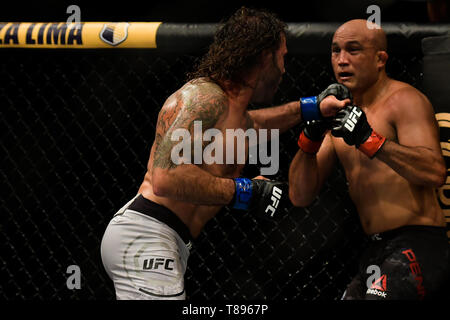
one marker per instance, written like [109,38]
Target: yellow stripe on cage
[84,35]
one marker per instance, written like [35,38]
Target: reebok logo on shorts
[378,287]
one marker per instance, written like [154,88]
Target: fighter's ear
[382,57]
[265,57]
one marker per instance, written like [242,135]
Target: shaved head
[358,54]
[364,30]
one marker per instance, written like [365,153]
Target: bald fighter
[387,142]
[146,245]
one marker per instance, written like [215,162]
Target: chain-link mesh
[77,127]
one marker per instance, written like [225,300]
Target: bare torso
[384,199]
[194,216]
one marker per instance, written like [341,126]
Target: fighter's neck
[369,96]
[239,96]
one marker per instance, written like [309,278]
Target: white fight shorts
[143,254]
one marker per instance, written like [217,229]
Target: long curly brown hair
[238,44]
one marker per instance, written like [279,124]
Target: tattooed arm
[187,182]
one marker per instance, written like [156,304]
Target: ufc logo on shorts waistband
[155,263]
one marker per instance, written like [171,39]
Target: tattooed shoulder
[204,101]
[167,115]
[200,101]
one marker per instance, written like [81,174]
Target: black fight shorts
[408,263]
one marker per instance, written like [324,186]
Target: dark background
[77,126]
[200,11]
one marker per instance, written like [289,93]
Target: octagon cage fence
[77,127]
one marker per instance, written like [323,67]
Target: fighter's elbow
[440,176]
[434,177]
[160,183]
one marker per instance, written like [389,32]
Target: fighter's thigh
[400,277]
[356,290]
[143,262]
